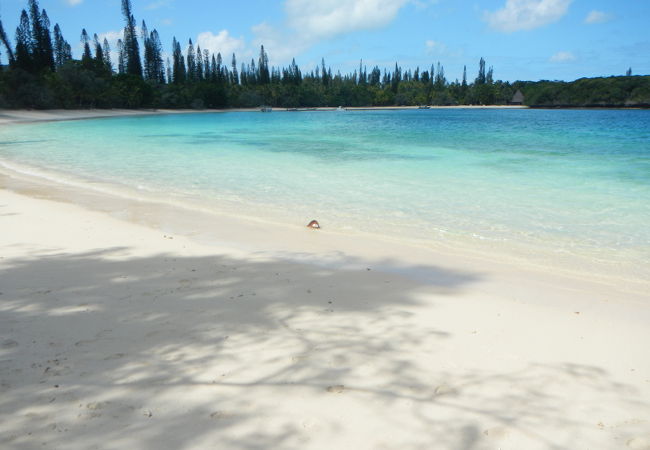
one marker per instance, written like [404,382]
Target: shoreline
[11,116]
[17,116]
[277,238]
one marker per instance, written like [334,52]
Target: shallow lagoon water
[541,183]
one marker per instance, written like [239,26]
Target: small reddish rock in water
[313,224]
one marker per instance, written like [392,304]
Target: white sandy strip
[8,116]
[118,336]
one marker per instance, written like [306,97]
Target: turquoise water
[569,182]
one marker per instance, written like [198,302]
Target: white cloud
[330,18]
[308,22]
[222,43]
[281,46]
[519,15]
[598,17]
[563,57]
[435,47]
[74,2]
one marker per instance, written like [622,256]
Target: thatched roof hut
[518,98]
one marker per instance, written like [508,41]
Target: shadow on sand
[103,351]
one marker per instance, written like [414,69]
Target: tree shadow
[104,350]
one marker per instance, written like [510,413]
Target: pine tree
[191,63]
[86,57]
[121,57]
[199,63]
[219,69]
[235,76]
[463,86]
[48,52]
[253,75]
[99,51]
[263,66]
[24,44]
[60,55]
[36,35]
[5,41]
[133,65]
[157,52]
[481,78]
[106,48]
[178,68]
[207,70]
[148,66]
[396,78]
[154,69]
[375,76]
[441,81]
[325,79]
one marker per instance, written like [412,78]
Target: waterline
[567,188]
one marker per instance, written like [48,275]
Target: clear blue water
[567,181]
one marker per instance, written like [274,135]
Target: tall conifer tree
[234,74]
[60,54]
[5,41]
[133,65]
[24,44]
[191,62]
[86,57]
[263,67]
[47,54]
[106,48]
[121,57]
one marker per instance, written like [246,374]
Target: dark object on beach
[313,224]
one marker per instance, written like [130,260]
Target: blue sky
[522,39]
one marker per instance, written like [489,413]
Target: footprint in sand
[444,389]
[8,343]
[222,415]
[337,389]
[639,443]
[498,433]
[97,405]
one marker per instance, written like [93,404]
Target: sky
[521,39]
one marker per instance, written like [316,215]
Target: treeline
[624,91]
[42,73]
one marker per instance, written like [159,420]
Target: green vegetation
[42,74]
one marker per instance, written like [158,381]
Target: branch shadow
[104,350]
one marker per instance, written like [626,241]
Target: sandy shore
[25,116]
[12,116]
[117,335]
[119,331]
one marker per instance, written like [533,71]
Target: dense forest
[41,73]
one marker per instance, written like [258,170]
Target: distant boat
[266,109]
[340,108]
[424,107]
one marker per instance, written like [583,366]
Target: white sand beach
[8,117]
[120,330]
